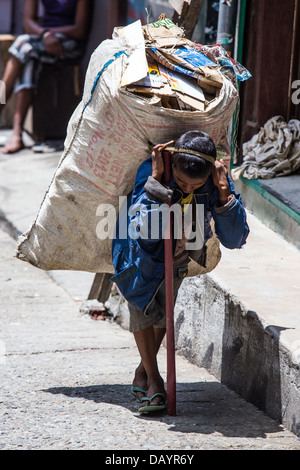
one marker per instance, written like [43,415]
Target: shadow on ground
[202,407]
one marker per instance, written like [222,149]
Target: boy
[197,178]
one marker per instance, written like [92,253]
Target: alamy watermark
[152,222]
[296,95]
[2,92]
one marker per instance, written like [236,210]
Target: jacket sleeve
[230,220]
[148,215]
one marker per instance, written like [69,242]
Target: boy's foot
[151,405]
[14,145]
[139,384]
[138,392]
[155,399]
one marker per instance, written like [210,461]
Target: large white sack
[109,134]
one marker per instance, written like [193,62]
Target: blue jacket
[139,261]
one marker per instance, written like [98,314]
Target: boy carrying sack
[200,186]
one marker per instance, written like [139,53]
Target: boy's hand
[157,160]
[219,173]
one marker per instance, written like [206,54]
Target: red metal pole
[168,248]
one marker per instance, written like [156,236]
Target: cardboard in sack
[111,132]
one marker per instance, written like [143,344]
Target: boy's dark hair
[192,165]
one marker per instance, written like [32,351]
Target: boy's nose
[187,188]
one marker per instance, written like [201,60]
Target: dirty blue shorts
[156,312]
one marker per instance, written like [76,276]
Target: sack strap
[209,158]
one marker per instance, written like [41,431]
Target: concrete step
[276,202]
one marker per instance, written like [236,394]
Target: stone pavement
[65,378]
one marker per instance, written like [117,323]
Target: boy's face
[186,183]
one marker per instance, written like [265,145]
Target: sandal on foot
[136,390]
[149,408]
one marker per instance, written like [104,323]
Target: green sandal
[135,390]
[149,408]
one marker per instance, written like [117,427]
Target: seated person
[60,37]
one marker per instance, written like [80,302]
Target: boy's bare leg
[147,375]
[140,378]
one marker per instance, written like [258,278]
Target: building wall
[268,43]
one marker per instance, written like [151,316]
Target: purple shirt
[59,12]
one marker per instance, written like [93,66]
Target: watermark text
[296,94]
[152,222]
[2,92]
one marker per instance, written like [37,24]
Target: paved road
[65,382]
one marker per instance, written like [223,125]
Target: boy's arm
[157,161]
[149,202]
[220,179]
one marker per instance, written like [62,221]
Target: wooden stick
[168,249]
